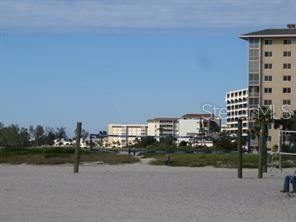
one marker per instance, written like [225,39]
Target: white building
[62,142]
[237,108]
[184,128]
[69,143]
[196,125]
[162,127]
[121,135]
[192,125]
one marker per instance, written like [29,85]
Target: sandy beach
[141,193]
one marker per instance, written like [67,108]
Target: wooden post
[239,148]
[77,148]
[168,159]
[90,141]
[280,151]
[260,154]
[265,130]
[281,162]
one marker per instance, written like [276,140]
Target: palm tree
[255,132]
[262,119]
[288,124]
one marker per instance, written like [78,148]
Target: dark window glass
[267,90]
[286,90]
[287,41]
[268,42]
[267,66]
[268,54]
[287,78]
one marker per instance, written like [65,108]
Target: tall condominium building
[237,108]
[272,72]
[121,135]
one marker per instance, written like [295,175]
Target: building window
[286,78]
[268,42]
[286,90]
[286,102]
[268,66]
[269,138]
[267,90]
[287,65]
[268,54]
[267,102]
[287,54]
[268,78]
[287,41]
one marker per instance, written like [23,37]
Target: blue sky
[123,61]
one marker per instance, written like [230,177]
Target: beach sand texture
[141,193]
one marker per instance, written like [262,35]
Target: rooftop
[290,31]
[196,116]
[162,118]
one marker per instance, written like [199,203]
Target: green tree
[24,137]
[167,140]
[61,133]
[38,134]
[12,135]
[144,141]
[183,143]
[288,123]
[263,118]
[49,136]
[84,134]
[1,136]
[225,142]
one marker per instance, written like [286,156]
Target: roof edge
[246,36]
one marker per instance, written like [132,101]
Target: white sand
[139,192]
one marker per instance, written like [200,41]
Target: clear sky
[103,62]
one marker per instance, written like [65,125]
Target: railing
[253,82]
[253,106]
[253,94]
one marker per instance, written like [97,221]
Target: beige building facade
[121,135]
[272,73]
[162,127]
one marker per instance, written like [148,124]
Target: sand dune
[139,192]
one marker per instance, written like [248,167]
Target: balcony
[253,106]
[254,94]
[254,82]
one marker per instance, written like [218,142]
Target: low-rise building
[62,142]
[184,128]
[121,135]
[162,127]
[193,125]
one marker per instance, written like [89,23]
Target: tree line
[19,137]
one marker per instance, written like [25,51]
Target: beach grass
[229,160]
[51,156]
